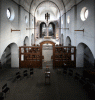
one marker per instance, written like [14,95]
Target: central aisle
[62,87]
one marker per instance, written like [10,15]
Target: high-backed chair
[5,89]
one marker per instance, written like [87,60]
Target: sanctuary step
[47,37]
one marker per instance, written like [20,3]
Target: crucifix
[47,16]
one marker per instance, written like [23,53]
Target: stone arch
[44,42]
[53,31]
[68,41]
[84,56]
[26,41]
[10,56]
[41,32]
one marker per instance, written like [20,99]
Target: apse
[45,7]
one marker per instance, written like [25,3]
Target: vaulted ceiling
[43,5]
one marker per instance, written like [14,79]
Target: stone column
[47,31]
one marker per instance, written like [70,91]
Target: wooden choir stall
[63,56]
[29,57]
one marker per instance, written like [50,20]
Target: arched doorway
[51,29]
[51,53]
[26,41]
[68,41]
[10,57]
[85,57]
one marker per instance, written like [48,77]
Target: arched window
[84,14]
[26,19]
[10,14]
[68,19]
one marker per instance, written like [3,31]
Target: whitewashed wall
[6,36]
[88,25]
[63,25]
[0,29]
[31,31]
[88,37]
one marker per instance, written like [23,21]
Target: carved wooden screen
[29,57]
[65,57]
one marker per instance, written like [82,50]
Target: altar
[47,37]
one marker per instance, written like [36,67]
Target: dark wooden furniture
[83,81]
[31,71]
[29,57]
[65,56]
[47,76]
[77,76]
[90,74]
[25,74]
[5,89]
[70,72]
[58,71]
[18,76]
[1,96]
[64,70]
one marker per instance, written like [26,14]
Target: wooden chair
[58,71]
[31,71]
[25,73]
[77,76]
[82,80]
[1,96]
[5,89]
[70,72]
[65,70]
[18,76]
[88,86]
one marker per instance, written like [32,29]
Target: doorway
[47,52]
[51,47]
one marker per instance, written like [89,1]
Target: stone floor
[62,87]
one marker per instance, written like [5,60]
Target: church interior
[47,49]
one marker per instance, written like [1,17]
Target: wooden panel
[65,56]
[29,57]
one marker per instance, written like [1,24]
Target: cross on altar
[47,16]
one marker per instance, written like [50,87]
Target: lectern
[47,77]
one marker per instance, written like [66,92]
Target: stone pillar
[47,31]
[80,56]
[14,60]
[14,56]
